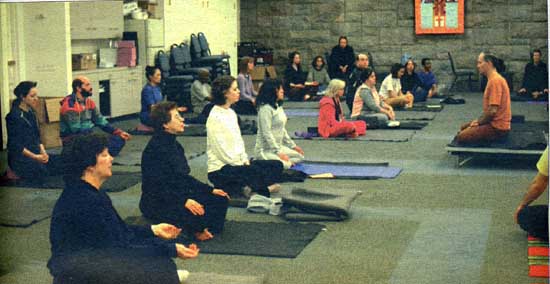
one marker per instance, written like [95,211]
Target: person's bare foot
[274,188]
[307,97]
[204,235]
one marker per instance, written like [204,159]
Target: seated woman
[295,83]
[390,89]
[410,81]
[273,141]
[342,58]
[89,241]
[318,73]
[331,121]
[368,105]
[27,157]
[228,164]
[150,95]
[169,193]
[247,102]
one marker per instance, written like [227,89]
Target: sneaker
[183,275]
[393,123]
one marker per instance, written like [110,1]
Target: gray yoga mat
[309,205]
[415,115]
[300,105]
[216,278]
[118,182]
[25,207]
[371,135]
[286,240]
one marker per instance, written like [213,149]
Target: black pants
[31,170]
[258,175]
[215,209]
[114,266]
[534,220]
[245,108]
[296,94]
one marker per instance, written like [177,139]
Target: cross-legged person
[391,91]
[228,164]
[90,243]
[494,123]
[368,105]
[272,140]
[535,78]
[168,192]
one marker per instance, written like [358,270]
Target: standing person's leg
[534,220]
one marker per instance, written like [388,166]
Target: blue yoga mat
[348,171]
[301,112]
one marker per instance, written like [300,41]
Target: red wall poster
[439,16]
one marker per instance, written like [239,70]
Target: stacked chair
[176,88]
[201,55]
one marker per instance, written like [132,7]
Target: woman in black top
[295,79]
[169,193]
[90,243]
[341,60]
[26,154]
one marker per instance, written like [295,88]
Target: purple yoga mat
[348,171]
[538,102]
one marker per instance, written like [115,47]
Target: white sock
[183,275]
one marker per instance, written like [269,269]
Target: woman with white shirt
[273,141]
[228,164]
[390,89]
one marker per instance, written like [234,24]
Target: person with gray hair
[361,64]
[331,122]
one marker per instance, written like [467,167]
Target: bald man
[79,115]
[361,64]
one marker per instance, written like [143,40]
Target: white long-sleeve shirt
[272,133]
[224,143]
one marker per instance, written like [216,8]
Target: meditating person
[168,193]
[90,243]
[361,63]
[228,164]
[200,91]
[150,95]
[79,115]
[368,105]
[27,157]
[331,122]
[390,89]
[318,74]
[247,102]
[272,140]
[428,82]
[535,78]
[410,81]
[341,60]
[295,81]
[494,123]
[534,219]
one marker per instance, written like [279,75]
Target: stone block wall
[385,28]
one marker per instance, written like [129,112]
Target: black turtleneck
[165,175]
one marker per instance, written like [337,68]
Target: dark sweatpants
[258,175]
[114,266]
[215,209]
[534,220]
[245,108]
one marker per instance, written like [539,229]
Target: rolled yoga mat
[343,171]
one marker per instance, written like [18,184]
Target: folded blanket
[308,205]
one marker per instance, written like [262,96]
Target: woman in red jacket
[331,121]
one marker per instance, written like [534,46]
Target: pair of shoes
[183,275]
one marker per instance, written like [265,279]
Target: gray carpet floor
[435,223]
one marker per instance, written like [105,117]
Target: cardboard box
[47,114]
[84,61]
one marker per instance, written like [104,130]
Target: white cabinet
[96,20]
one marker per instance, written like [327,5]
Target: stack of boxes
[126,54]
